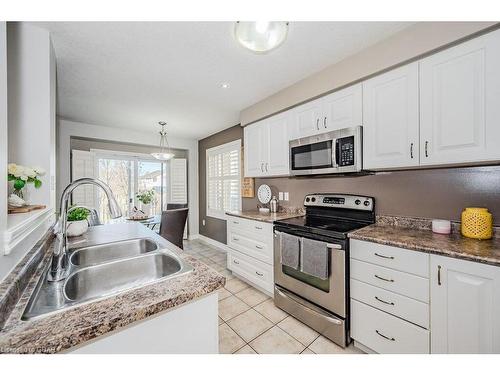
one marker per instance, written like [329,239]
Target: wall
[436,193]
[71,129]
[213,228]
[408,44]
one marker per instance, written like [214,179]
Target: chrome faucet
[59,266]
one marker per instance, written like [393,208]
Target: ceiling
[134,74]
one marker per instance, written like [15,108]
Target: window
[223,179]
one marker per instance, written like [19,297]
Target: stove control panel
[354,202]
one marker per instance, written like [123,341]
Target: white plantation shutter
[223,179]
[178,181]
[82,165]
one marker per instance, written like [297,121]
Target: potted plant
[20,176]
[77,221]
[146,197]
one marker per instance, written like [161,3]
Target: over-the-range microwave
[338,151]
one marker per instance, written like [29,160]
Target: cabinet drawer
[395,281]
[406,308]
[385,333]
[259,250]
[255,229]
[259,273]
[392,257]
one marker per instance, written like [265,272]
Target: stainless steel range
[311,261]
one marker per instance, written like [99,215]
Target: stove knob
[366,203]
[307,199]
[358,202]
[313,199]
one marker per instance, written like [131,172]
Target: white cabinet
[459,96]
[390,119]
[341,109]
[465,306]
[266,147]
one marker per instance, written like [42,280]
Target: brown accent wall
[213,228]
[433,193]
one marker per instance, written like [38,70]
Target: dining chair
[175,206]
[172,225]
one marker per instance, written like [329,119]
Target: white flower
[12,168]
[30,172]
[39,171]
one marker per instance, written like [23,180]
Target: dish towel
[314,258]
[290,250]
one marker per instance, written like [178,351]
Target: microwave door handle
[334,154]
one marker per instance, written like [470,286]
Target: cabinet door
[307,118]
[278,148]
[465,306]
[254,150]
[459,96]
[342,109]
[390,119]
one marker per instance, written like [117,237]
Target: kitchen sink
[145,264]
[108,278]
[92,255]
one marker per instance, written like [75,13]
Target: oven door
[330,293]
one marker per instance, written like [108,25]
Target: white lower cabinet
[465,306]
[251,251]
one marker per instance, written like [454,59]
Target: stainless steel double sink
[103,270]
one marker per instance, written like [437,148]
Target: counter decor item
[146,197]
[20,176]
[138,215]
[273,205]
[248,187]
[264,195]
[441,226]
[77,221]
[477,223]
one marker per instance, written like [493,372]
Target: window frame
[226,147]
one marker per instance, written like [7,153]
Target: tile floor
[249,323]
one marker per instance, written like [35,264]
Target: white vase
[76,228]
[146,208]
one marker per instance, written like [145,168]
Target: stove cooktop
[335,227]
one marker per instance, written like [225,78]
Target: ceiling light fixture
[225,85]
[260,36]
[165,152]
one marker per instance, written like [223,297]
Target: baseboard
[217,244]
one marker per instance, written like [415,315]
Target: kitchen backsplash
[432,193]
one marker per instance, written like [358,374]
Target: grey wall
[213,228]
[436,193]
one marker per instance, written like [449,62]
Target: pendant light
[165,152]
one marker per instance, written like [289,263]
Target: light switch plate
[286,195]
[280,195]
[203,222]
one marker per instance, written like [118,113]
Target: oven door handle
[327,317]
[332,246]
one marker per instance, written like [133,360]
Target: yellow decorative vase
[477,223]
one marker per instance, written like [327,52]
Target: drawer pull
[235,239]
[439,275]
[235,261]
[383,256]
[381,300]
[384,336]
[259,228]
[259,247]
[259,274]
[235,222]
[384,279]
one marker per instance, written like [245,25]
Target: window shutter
[82,165]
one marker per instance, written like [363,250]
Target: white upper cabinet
[465,306]
[342,109]
[459,103]
[390,119]
[266,146]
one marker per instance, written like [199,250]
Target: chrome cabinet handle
[317,124]
[235,261]
[426,149]
[259,274]
[439,275]
[324,122]
[266,167]
[334,246]
[381,300]
[381,278]
[235,222]
[262,167]
[259,228]
[383,256]
[259,247]
[235,239]
[384,336]
[411,150]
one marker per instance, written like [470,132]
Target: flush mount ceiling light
[225,85]
[260,36]
[165,153]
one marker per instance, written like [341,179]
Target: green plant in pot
[146,197]
[77,221]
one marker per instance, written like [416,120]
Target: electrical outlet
[280,195]
[286,195]
[203,222]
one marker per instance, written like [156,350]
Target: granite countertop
[268,218]
[65,329]
[416,235]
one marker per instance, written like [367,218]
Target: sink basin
[92,255]
[98,281]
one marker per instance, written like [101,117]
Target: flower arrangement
[146,197]
[22,175]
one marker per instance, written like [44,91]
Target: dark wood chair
[175,206]
[172,225]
